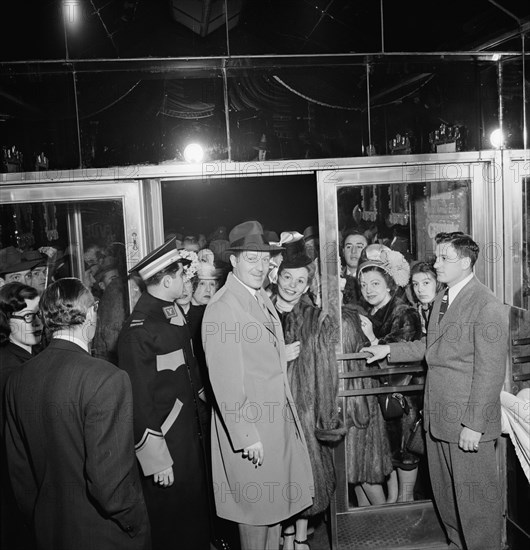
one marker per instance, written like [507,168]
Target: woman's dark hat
[249,236]
[295,255]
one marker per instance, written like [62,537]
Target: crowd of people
[207,416]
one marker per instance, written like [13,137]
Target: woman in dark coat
[390,319]
[369,461]
[20,331]
[313,379]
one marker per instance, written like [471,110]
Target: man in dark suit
[466,350]
[69,436]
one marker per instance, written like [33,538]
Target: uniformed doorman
[155,349]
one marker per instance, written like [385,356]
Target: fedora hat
[12,260]
[262,146]
[249,236]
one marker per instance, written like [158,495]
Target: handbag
[416,440]
[393,405]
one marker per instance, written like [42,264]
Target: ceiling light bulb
[193,153]
[496,138]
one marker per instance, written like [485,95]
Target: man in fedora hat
[261,148]
[154,347]
[16,266]
[259,453]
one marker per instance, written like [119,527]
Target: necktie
[443,305]
[425,314]
[262,305]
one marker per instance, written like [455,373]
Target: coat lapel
[252,306]
[436,329]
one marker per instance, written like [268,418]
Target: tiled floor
[413,527]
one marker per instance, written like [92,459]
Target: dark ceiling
[147,28]
[137,115]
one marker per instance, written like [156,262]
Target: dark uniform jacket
[155,349]
[70,451]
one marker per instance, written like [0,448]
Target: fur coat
[398,321]
[368,455]
[314,383]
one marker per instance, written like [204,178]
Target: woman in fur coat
[369,461]
[313,379]
[390,319]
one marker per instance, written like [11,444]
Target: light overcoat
[245,354]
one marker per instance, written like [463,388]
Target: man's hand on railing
[377,352]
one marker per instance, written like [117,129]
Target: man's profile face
[450,267]
[187,293]
[251,267]
[177,283]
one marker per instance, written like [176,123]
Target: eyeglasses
[28,317]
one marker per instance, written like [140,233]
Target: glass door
[381,478]
[93,232]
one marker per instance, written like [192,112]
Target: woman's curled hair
[13,298]
[65,303]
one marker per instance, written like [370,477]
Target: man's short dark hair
[171,269]
[464,245]
[353,231]
[65,303]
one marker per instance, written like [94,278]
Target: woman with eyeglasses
[20,331]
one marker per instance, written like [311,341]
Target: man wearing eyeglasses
[466,351]
[69,436]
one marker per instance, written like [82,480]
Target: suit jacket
[70,451]
[245,354]
[11,357]
[466,362]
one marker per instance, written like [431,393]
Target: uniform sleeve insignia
[169,311]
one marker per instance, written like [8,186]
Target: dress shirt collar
[455,289]
[70,338]
[249,288]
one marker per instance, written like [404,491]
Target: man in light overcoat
[261,469]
